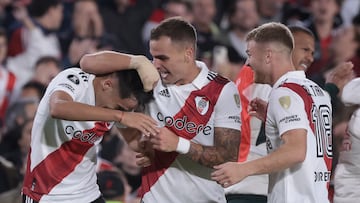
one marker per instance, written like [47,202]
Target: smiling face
[171,60]
[256,60]
[303,53]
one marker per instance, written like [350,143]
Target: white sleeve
[286,110]
[228,108]
[350,94]
[73,81]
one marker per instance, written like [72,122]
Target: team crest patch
[202,104]
[237,100]
[73,79]
[285,102]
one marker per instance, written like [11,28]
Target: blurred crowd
[39,38]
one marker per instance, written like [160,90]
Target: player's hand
[228,174]
[257,108]
[165,140]
[341,74]
[145,124]
[146,70]
[146,155]
[143,160]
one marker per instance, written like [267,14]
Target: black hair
[130,84]
[39,87]
[48,59]
[38,8]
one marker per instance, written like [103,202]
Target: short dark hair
[177,29]
[130,84]
[272,32]
[39,87]
[296,29]
[48,59]
[38,8]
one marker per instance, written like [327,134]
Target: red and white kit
[253,140]
[63,153]
[192,111]
[296,102]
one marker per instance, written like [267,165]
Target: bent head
[122,90]
[269,47]
[173,48]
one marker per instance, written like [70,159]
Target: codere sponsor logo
[184,124]
[89,137]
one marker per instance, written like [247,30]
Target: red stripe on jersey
[163,160]
[209,94]
[308,101]
[60,163]
[245,78]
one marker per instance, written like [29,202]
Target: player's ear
[107,84]
[188,54]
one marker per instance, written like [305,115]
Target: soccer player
[298,124]
[199,112]
[75,112]
[346,175]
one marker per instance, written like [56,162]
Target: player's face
[169,59]
[303,53]
[111,98]
[256,60]
[45,72]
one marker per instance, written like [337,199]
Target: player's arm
[290,153]
[109,61]
[226,145]
[62,106]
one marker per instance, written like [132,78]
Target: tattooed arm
[226,148]
[226,136]
[226,145]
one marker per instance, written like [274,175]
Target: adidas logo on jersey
[165,93]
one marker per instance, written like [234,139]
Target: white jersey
[62,159]
[347,173]
[253,139]
[296,102]
[191,111]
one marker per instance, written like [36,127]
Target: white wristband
[183,146]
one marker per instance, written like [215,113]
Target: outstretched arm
[109,61]
[292,152]
[105,62]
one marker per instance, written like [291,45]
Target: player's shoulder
[216,78]
[75,75]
